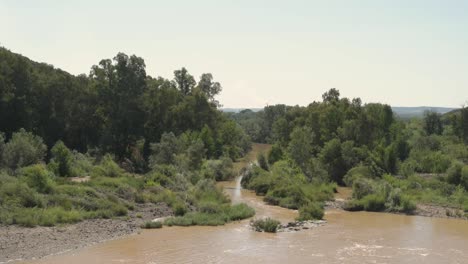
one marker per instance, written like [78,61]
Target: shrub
[265,225]
[239,212]
[63,157]
[262,161]
[108,168]
[19,194]
[23,149]
[197,218]
[356,173]
[311,211]
[373,202]
[464,177]
[353,205]
[219,170]
[454,173]
[152,225]
[362,187]
[39,178]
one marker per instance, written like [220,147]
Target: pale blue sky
[404,53]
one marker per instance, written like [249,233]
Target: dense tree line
[339,140]
[118,108]
[129,138]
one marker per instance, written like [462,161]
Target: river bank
[428,210]
[17,243]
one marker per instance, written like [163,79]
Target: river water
[348,237]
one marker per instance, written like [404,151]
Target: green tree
[210,88]
[331,156]
[432,123]
[165,151]
[300,148]
[184,81]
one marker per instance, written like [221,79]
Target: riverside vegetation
[134,139]
[392,164]
[99,145]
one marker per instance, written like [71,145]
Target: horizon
[262,52]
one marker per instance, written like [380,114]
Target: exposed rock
[300,225]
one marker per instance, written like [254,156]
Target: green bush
[262,161]
[373,202]
[239,212]
[356,173]
[38,177]
[108,168]
[23,149]
[266,225]
[454,173]
[353,205]
[18,194]
[212,215]
[197,218]
[152,225]
[464,177]
[219,170]
[311,211]
[63,157]
[362,187]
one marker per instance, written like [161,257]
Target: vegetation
[152,225]
[131,138]
[392,164]
[265,225]
[140,139]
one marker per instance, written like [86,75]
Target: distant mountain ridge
[418,111]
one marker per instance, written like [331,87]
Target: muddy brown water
[358,237]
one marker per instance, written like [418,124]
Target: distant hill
[403,112]
[410,112]
[237,110]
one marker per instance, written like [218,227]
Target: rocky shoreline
[19,243]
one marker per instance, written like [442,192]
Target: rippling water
[358,237]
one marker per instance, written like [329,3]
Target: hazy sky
[400,52]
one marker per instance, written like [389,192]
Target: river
[348,237]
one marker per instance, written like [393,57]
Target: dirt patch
[80,179]
[26,243]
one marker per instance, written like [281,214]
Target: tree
[195,154]
[23,149]
[275,154]
[165,151]
[432,123]
[184,81]
[210,88]
[332,96]
[300,148]
[120,84]
[331,156]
